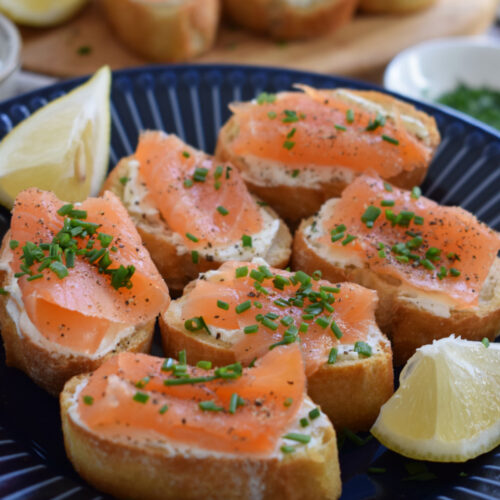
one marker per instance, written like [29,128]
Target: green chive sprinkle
[363,348]
[88,400]
[193,324]
[217,185]
[287,449]
[163,409]
[219,170]
[195,257]
[13,244]
[288,145]
[251,329]
[304,422]
[340,127]
[428,264]
[336,330]
[291,133]
[332,356]
[3,291]
[370,216]
[185,154]
[233,403]
[191,237]
[290,116]
[295,173]
[418,220]
[244,306]
[387,203]
[222,210]
[188,183]
[266,98]
[337,237]
[257,275]
[246,240]
[167,365]
[286,321]
[303,327]
[455,272]
[183,356]
[390,140]
[200,174]
[204,365]
[35,277]
[486,342]
[209,406]
[288,402]
[269,324]
[140,397]
[271,115]
[142,383]
[313,414]
[124,180]
[222,305]
[59,268]
[322,322]
[349,115]
[241,272]
[300,438]
[339,229]
[348,239]
[416,193]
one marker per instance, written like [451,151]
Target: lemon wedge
[40,13]
[63,147]
[447,407]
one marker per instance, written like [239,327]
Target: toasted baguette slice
[172,258]
[394,6]
[157,467]
[350,391]
[319,160]
[164,31]
[407,315]
[288,20]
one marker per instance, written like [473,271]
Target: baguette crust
[407,325]
[350,392]
[283,21]
[394,6]
[143,472]
[295,203]
[163,32]
[177,268]
[51,369]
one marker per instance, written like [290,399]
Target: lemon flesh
[63,147]
[40,13]
[447,407]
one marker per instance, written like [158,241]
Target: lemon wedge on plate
[447,407]
[40,13]
[63,147]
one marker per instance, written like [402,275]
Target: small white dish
[10,54]
[428,70]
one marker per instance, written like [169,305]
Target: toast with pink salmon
[192,212]
[242,311]
[288,20]
[147,428]
[77,287]
[435,268]
[162,30]
[295,150]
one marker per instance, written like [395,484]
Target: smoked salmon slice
[205,202]
[405,236]
[82,270]
[229,409]
[256,308]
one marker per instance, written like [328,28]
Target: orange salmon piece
[166,163]
[454,249]
[353,310]
[254,427]
[79,310]
[313,130]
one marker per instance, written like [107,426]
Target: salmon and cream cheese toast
[140,426]
[77,286]
[435,268]
[244,310]
[297,149]
[192,212]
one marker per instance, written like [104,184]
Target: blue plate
[192,101]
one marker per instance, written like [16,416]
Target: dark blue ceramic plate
[191,101]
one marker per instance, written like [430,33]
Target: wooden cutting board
[360,48]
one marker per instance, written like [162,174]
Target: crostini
[243,310]
[162,30]
[77,286]
[296,150]
[142,427]
[435,268]
[288,19]
[192,212]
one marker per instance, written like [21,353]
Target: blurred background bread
[394,6]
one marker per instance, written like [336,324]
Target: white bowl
[428,70]
[10,52]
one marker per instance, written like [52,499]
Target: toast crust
[178,269]
[143,472]
[407,326]
[50,369]
[162,32]
[295,203]
[394,6]
[350,392]
[283,21]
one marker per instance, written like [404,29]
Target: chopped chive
[3,291]
[485,341]
[163,409]
[60,269]
[233,403]
[349,115]
[379,121]
[219,170]
[35,277]
[222,210]
[266,98]
[185,154]
[332,356]
[142,383]
[304,422]
[204,365]
[13,244]
[433,253]
[291,133]
[303,327]
[315,413]
[454,272]
[200,174]
[257,275]
[428,264]
[288,402]
[387,203]
[222,305]
[195,256]
[287,449]
[348,239]
[193,324]
[140,397]
[217,185]
[295,173]
[363,348]
[302,277]
[288,145]
[187,380]
[244,306]
[269,323]
[167,365]
[88,400]
[290,116]
[286,321]
[246,240]
[183,356]
[272,115]
[280,282]
[418,220]
[390,139]
[188,183]
[370,216]
[300,438]
[191,237]
[281,302]
[124,180]
[262,203]
[241,272]
[340,127]
[337,237]
[209,406]
[316,275]
[251,329]
[105,239]
[336,330]
[257,304]
[228,172]
[339,229]
[331,289]
[322,322]
[416,192]
[252,363]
